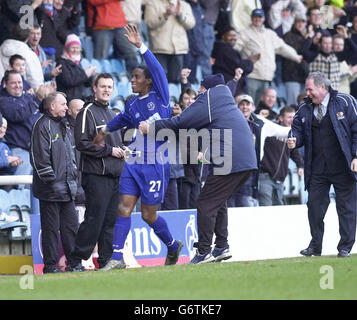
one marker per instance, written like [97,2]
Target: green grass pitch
[317,278]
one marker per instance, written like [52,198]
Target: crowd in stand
[264,49]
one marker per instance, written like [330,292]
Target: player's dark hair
[103,75]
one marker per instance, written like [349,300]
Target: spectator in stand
[323,58]
[314,17]
[211,8]
[58,20]
[17,45]
[240,14]
[21,111]
[227,59]
[11,14]
[196,55]
[54,180]
[258,39]
[50,71]
[329,13]
[133,11]
[274,166]
[261,128]
[73,79]
[294,74]
[18,63]
[268,99]
[106,19]
[353,34]
[348,73]
[263,111]
[8,162]
[282,14]
[167,22]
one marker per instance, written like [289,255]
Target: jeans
[103,39]
[256,89]
[24,168]
[208,42]
[293,89]
[271,193]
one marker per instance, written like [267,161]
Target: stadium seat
[174,90]
[118,102]
[106,65]
[4,200]
[85,63]
[96,63]
[117,66]
[123,89]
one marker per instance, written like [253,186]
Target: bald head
[74,107]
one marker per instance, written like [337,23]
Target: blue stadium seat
[4,200]
[85,63]
[96,63]
[123,89]
[106,65]
[174,90]
[117,66]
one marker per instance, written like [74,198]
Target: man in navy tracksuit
[326,124]
[230,165]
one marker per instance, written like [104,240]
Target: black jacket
[72,80]
[95,159]
[276,158]
[80,196]
[56,29]
[53,160]
[293,71]
[227,60]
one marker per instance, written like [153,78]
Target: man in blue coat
[221,123]
[326,124]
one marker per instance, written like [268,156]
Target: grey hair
[320,79]
[47,101]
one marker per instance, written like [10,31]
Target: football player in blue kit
[144,175]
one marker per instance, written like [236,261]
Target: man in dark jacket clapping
[54,179]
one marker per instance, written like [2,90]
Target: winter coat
[53,160]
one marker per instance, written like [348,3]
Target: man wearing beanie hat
[216,111]
[212,81]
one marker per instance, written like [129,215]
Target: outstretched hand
[133,35]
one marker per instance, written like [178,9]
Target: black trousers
[171,196]
[212,215]
[57,217]
[319,200]
[188,193]
[102,199]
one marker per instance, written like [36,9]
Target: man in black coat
[227,59]
[54,179]
[101,167]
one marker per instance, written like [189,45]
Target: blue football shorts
[148,181]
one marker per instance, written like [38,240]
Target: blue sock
[162,231]
[121,230]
